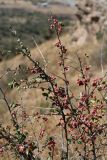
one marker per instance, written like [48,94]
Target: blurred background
[85,32]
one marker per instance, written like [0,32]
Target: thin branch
[39,50]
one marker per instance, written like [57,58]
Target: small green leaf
[92,101]
[69,141]
[11,84]
[22,137]
[79,142]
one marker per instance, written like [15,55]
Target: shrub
[80,117]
